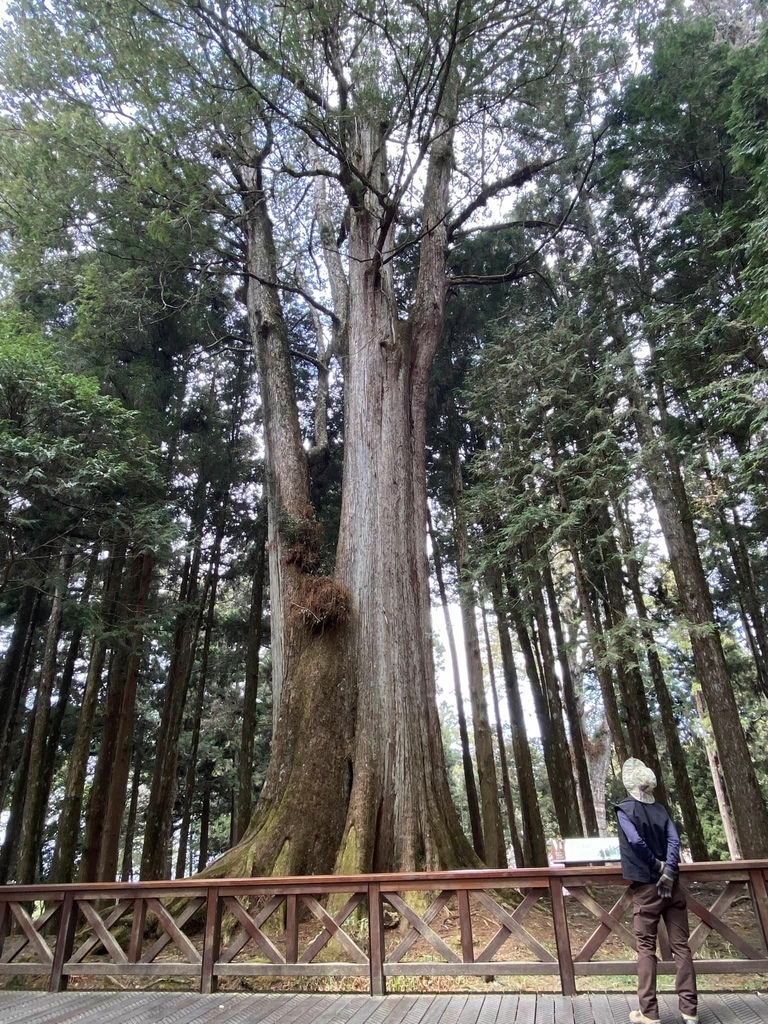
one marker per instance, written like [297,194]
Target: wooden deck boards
[225,1008]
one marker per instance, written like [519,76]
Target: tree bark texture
[573,708]
[503,762]
[68,830]
[255,619]
[493,832]
[108,790]
[36,794]
[683,789]
[473,804]
[533,840]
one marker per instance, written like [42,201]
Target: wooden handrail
[86,914]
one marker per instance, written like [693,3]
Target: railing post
[562,938]
[465,926]
[760,902]
[5,916]
[211,941]
[137,930]
[376,940]
[65,938]
[291,928]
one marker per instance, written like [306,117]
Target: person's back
[650,851]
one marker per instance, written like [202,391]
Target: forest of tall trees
[326,328]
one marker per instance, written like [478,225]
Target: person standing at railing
[650,853]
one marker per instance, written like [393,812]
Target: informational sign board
[590,851]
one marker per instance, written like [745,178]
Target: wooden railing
[481,923]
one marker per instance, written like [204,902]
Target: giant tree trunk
[299,820]
[400,814]
[357,778]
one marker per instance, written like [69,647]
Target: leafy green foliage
[75,465]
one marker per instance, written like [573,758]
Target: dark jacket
[652,837]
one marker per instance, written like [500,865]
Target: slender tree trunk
[11,840]
[642,742]
[503,763]
[562,758]
[162,794]
[30,838]
[473,804]
[572,708]
[604,675]
[714,766]
[493,832]
[68,830]
[118,782]
[245,761]
[556,752]
[684,790]
[205,826]
[197,706]
[126,869]
[16,675]
[107,802]
[668,490]
[533,840]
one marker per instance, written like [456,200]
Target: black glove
[665,882]
[658,866]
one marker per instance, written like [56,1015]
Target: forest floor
[581,924]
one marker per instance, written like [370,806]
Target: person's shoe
[691,1019]
[638,1017]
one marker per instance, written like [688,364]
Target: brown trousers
[649,907]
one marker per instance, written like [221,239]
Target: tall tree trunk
[572,707]
[357,778]
[556,753]
[684,791]
[642,742]
[562,759]
[493,832]
[669,495]
[205,819]
[68,829]
[16,675]
[162,793]
[604,674]
[212,584]
[298,822]
[714,766]
[11,840]
[126,869]
[30,838]
[533,840]
[473,804]
[107,802]
[503,763]
[242,813]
